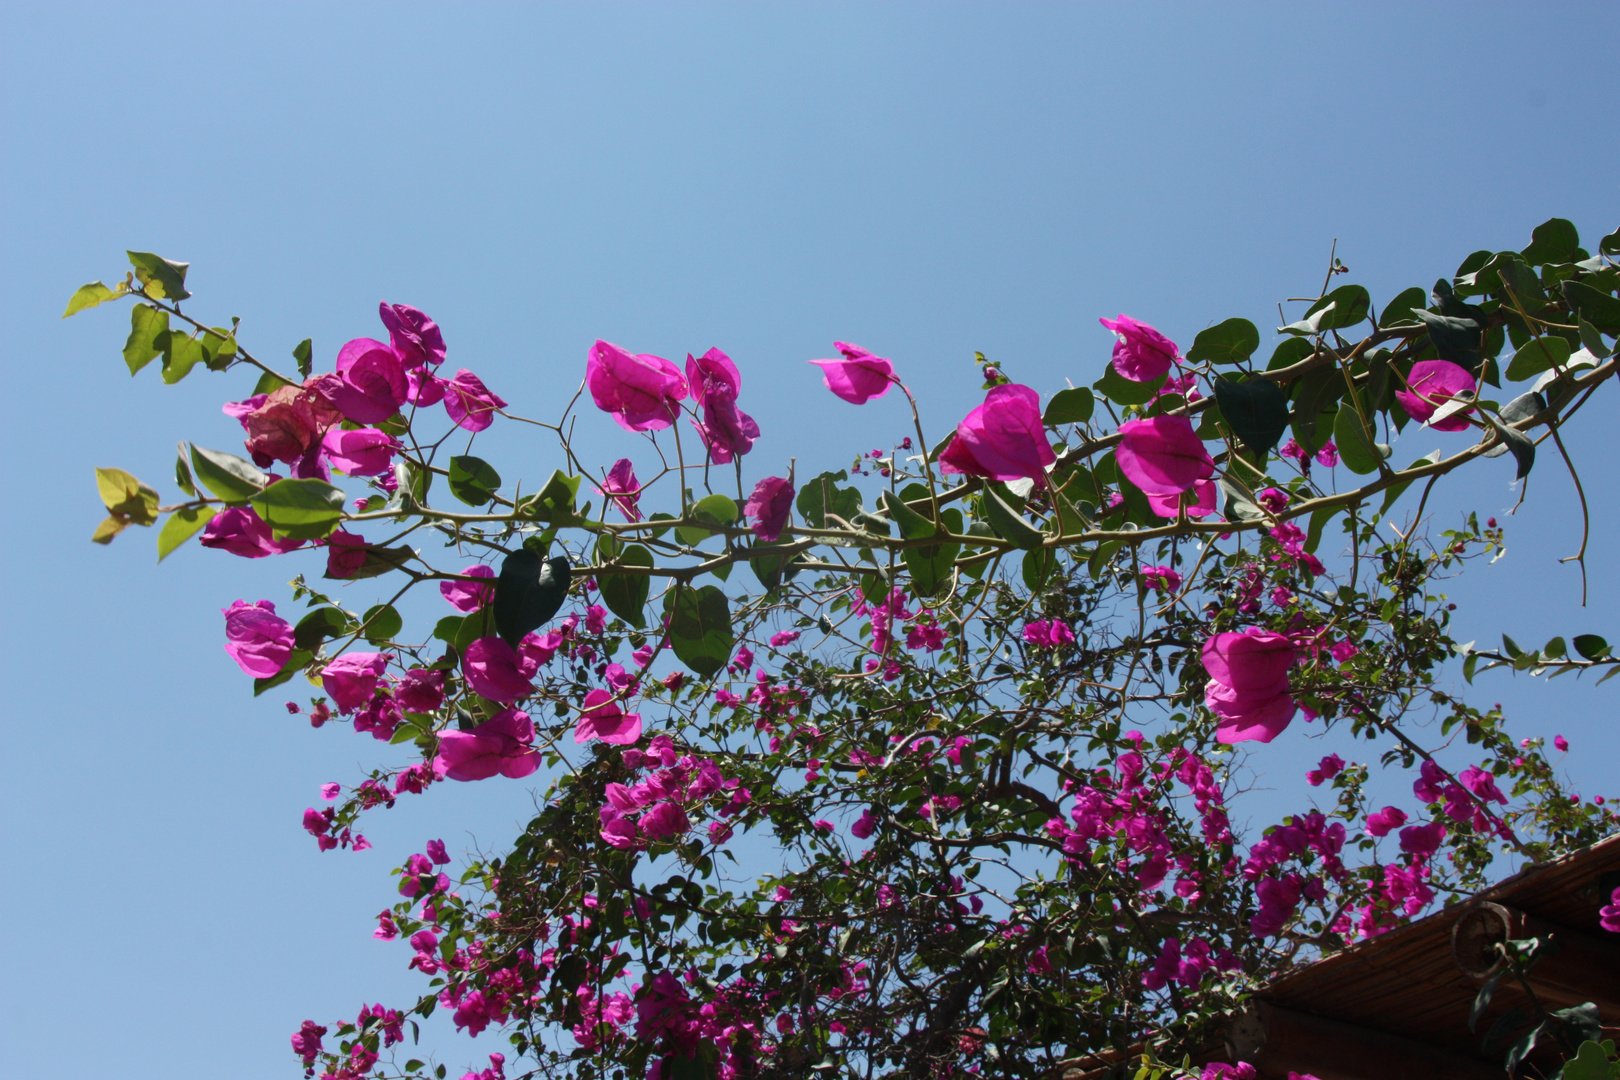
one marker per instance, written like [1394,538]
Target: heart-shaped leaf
[528,592]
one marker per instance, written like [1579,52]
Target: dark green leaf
[913,526]
[1122,391]
[1482,1000]
[1316,393]
[626,594]
[1402,311]
[1521,1049]
[1457,340]
[1520,445]
[295,663]
[300,509]
[182,473]
[1007,522]
[321,623]
[88,296]
[1538,355]
[1358,448]
[556,499]
[1598,308]
[1590,646]
[473,480]
[1072,406]
[1592,341]
[1229,342]
[380,623]
[822,495]
[181,526]
[1610,244]
[1256,411]
[148,334]
[699,627]
[1349,305]
[1037,567]
[1591,1062]
[931,566]
[304,356]
[1289,352]
[1554,241]
[529,592]
[163,279]
[1520,408]
[1319,520]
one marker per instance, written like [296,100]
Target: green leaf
[181,353]
[321,623]
[1319,520]
[1037,567]
[1289,352]
[1521,1048]
[1072,406]
[378,561]
[528,592]
[1358,448]
[1122,391]
[1229,342]
[162,278]
[1520,445]
[1538,355]
[126,497]
[304,356]
[1590,646]
[1596,307]
[88,296]
[148,335]
[822,495]
[380,623]
[699,627]
[1402,311]
[295,663]
[1256,411]
[1316,393]
[1394,491]
[1007,522]
[180,527]
[1455,339]
[625,594]
[1345,306]
[473,480]
[913,526]
[931,566]
[1590,1063]
[717,510]
[299,508]
[556,499]
[1555,240]
[1592,341]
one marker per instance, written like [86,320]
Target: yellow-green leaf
[88,296]
[180,527]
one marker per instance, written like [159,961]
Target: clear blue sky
[926,180]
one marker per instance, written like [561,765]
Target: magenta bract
[467,596]
[351,679]
[494,669]
[259,640]
[370,385]
[1431,384]
[859,376]
[469,402]
[623,488]
[1162,456]
[602,718]
[1201,503]
[1003,439]
[714,383]
[361,452]
[415,337]
[642,391]
[1141,353]
[497,746]
[345,554]
[241,531]
[767,508]
[1248,684]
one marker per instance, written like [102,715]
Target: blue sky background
[926,180]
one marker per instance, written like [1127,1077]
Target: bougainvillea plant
[923,765]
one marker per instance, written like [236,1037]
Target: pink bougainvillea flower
[1387,819]
[1248,684]
[1003,439]
[351,679]
[602,718]
[287,423]
[859,376]
[1162,578]
[345,554]
[1609,914]
[642,391]
[1422,840]
[1561,743]
[767,508]
[361,452]
[259,640]
[420,690]
[1141,353]
[494,669]
[1327,769]
[1201,504]
[623,488]
[1163,456]
[241,531]
[469,402]
[784,637]
[415,337]
[714,382]
[371,383]
[1430,384]
[664,820]
[500,745]
[423,388]
[469,596]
